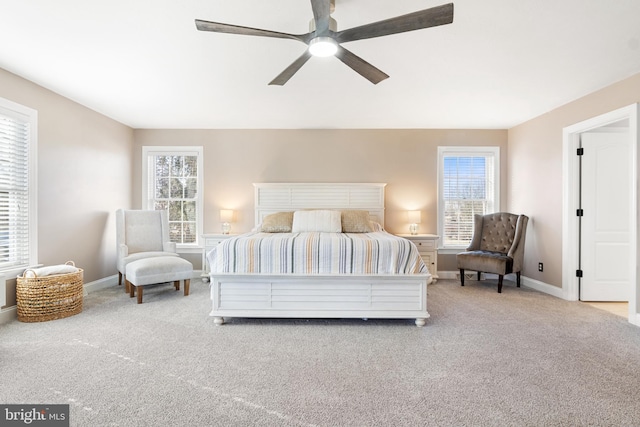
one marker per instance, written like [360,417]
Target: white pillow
[321,221]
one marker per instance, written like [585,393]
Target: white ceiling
[143,63]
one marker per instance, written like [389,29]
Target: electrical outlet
[540,266]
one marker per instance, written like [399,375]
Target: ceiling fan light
[323,46]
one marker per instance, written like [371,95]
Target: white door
[606,223]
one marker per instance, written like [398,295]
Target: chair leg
[176,284]
[479,275]
[462,277]
[131,288]
[139,293]
[119,278]
[518,278]
[187,282]
[500,277]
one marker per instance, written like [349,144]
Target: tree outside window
[174,186]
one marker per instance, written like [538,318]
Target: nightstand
[210,242]
[427,245]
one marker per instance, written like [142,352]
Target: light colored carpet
[518,358]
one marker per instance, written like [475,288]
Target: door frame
[571,196]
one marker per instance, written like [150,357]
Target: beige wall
[89,166]
[80,151]
[535,173]
[405,159]
[84,175]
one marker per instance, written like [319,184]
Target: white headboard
[283,197]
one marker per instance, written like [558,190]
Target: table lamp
[414,220]
[226,217]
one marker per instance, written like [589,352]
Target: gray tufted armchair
[497,246]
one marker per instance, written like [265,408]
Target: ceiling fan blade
[361,66]
[288,72]
[439,15]
[321,15]
[218,27]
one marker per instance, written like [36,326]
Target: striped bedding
[317,253]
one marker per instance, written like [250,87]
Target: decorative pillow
[376,226]
[279,222]
[356,222]
[322,221]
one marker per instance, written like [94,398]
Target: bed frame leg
[420,322]
[218,320]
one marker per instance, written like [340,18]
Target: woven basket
[40,299]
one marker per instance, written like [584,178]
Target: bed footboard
[321,296]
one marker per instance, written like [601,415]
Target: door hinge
[580,151]
[578,273]
[580,212]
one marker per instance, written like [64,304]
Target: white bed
[334,295]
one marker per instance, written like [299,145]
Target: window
[174,183]
[18,220]
[468,184]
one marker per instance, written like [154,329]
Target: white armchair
[141,234]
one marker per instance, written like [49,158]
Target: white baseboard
[96,285]
[469,274]
[453,275]
[8,314]
[543,287]
[524,281]
[11,313]
[113,281]
[3,291]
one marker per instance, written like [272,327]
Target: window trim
[459,151]
[30,116]
[177,150]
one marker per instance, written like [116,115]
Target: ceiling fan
[323,38]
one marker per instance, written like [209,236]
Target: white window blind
[468,185]
[17,186]
[173,183]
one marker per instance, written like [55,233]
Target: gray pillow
[354,221]
[279,222]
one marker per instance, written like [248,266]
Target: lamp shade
[226,215]
[414,217]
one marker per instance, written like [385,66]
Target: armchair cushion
[487,261]
[124,261]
